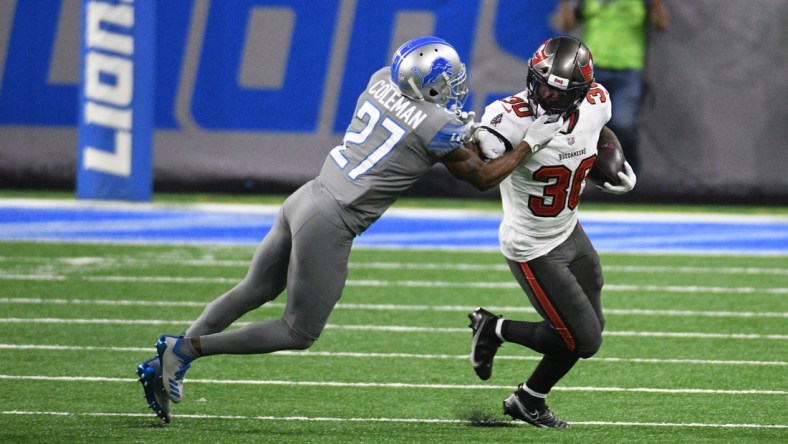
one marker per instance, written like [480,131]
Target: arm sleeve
[447,139]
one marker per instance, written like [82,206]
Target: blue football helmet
[429,68]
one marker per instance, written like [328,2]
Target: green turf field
[695,351]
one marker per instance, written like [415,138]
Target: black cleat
[150,377]
[485,342]
[543,418]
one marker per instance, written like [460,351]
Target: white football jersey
[541,196]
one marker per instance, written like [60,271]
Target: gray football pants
[306,252]
[565,288]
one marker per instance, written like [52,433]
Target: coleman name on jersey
[389,97]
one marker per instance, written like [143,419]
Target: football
[609,159]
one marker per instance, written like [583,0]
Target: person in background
[407,119]
[616,32]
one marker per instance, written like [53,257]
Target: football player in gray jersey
[407,119]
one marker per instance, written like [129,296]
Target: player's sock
[546,375]
[537,336]
[191,347]
[499,329]
[531,399]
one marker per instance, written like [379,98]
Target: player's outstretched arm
[465,164]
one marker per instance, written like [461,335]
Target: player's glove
[541,131]
[467,119]
[628,180]
[470,132]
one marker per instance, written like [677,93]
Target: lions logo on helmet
[429,69]
[439,67]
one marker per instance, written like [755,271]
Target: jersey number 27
[396,133]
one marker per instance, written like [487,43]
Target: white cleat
[173,366]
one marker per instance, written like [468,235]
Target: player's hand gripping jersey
[540,198]
[390,143]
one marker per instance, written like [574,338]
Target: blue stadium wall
[250,95]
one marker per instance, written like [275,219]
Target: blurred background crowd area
[249,96]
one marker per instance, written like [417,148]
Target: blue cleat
[173,366]
[150,377]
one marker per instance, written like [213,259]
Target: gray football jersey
[391,142]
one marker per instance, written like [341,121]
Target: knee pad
[301,341]
[588,348]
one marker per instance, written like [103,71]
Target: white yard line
[390,420]
[403,385]
[398,283]
[386,328]
[104,262]
[394,307]
[358,355]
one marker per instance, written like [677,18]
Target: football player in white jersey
[407,119]
[546,248]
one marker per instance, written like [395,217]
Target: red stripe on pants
[547,307]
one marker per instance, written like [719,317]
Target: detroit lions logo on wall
[439,66]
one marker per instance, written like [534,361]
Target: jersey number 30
[563,188]
[396,133]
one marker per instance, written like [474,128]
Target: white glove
[492,147]
[467,119]
[470,131]
[541,131]
[628,181]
